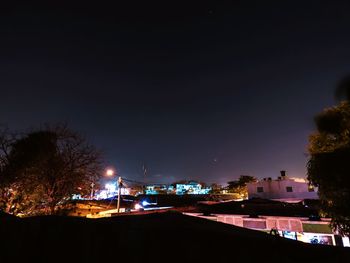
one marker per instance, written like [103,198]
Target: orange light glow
[110,172]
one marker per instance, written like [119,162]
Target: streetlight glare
[110,172]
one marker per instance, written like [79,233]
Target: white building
[282,189]
[111,190]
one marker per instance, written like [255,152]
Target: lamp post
[119,192]
[110,173]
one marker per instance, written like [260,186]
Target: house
[191,188]
[282,189]
[154,189]
[179,189]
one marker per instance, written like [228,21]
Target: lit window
[289,189]
[260,189]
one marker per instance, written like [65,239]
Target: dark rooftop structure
[150,238]
[257,206]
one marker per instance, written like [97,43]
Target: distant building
[179,189]
[282,189]
[191,188]
[111,190]
[155,189]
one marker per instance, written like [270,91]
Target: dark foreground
[162,237]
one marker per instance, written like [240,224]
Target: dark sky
[203,90]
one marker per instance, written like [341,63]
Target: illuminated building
[282,189]
[179,189]
[155,189]
[111,190]
[191,188]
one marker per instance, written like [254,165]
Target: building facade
[179,189]
[282,189]
[191,188]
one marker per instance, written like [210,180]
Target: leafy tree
[240,186]
[7,195]
[42,169]
[215,188]
[329,164]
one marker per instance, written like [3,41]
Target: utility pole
[144,179]
[119,193]
[92,190]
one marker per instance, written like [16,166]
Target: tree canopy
[41,169]
[240,186]
[329,164]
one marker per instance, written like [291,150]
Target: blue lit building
[155,189]
[191,188]
[179,189]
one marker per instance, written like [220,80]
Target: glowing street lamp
[110,172]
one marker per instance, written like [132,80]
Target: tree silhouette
[329,163]
[43,168]
[240,186]
[343,89]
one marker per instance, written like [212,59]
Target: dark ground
[160,237]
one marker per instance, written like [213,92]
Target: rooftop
[151,238]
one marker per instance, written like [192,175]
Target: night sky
[205,90]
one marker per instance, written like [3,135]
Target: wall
[276,189]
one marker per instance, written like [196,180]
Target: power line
[133,181]
[139,182]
